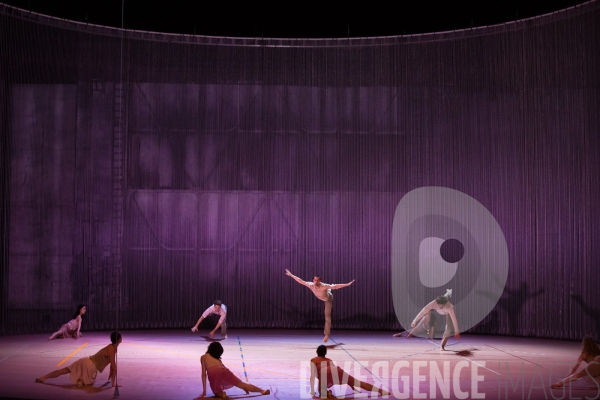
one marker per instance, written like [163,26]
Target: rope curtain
[208,166]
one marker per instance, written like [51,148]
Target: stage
[164,364]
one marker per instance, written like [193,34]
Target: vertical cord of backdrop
[119,160]
[4,184]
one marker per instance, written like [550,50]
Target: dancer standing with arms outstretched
[323,292]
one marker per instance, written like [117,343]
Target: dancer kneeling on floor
[590,354]
[219,377]
[323,369]
[83,371]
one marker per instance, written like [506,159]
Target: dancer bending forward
[219,377]
[323,292]
[590,354]
[324,369]
[83,371]
[443,306]
[218,308]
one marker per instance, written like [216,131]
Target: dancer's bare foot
[326,338]
[39,380]
[398,334]
[330,395]
[265,392]
[384,392]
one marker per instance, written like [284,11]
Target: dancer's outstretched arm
[221,320]
[455,323]
[423,312]
[294,277]
[212,333]
[79,321]
[421,325]
[203,377]
[113,364]
[195,327]
[313,375]
[205,314]
[341,285]
[577,364]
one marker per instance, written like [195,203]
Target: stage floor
[164,364]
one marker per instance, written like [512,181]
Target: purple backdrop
[146,175]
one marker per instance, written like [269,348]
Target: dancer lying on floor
[83,371]
[219,377]
[324,369]
[590,354]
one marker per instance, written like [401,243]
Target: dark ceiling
[307,19]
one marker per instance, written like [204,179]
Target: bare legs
[448,331]
[352,382]
[368,387]
[246,387]
[53,374]
[363,385]
[56,334]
